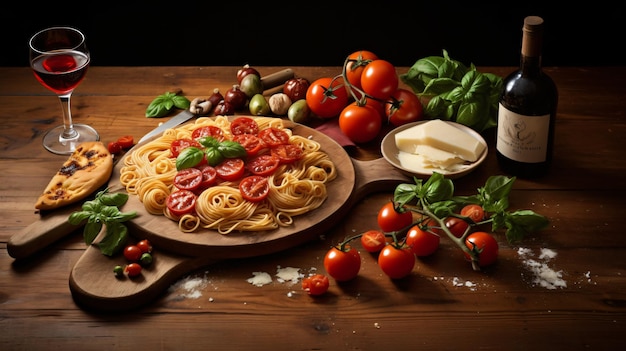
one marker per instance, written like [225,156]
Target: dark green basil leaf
[208,141]
[91,230]
[181,102]
[78,217]
[231,149]
[113,199]
[189,157]
[213,156]
[115,239]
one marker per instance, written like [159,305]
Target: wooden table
[444,304]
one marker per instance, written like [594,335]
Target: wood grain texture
[442,305]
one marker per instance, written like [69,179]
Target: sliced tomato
[208,131]
[126,142]
[231,169]
[179,144]
[254,188]
[252,143]
[263,165]
[188,179]
[274,136]
[287,153]
[209,176]
[244,125]
[181,202]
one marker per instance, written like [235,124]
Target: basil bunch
[164,103]
[455,92]
[214,151]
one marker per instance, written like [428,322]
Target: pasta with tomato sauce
[295,187]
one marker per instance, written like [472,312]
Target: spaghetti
[295,188]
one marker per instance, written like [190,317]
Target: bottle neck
[530,65]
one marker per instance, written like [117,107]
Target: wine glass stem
[68,126]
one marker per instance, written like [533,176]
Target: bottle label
[522,138]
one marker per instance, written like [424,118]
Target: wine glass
[59,58]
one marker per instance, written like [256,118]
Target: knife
[270,81]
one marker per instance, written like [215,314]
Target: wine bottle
[527,110]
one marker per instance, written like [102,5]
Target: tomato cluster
[123,143]
[364,97]
[138,255]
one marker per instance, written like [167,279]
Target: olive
[299,111]
[258,105]
[251,85]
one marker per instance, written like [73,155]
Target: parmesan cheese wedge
[439,135]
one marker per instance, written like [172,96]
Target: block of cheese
[434,157]
[441,135]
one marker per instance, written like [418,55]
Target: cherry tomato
[208,131]
[252,143]
[390,220]
[287,153]
[244,125]
[209,176]
[474,212]
[254,188]
[373,240]
[316,284]
[179,144]
[114,147]
[274,136]
[133,269]
[181,202]
[396,262]
[126,142]
[422,242]
[355,65]
[360,123]
[379,79]
[145,246]
[342,265]
[188,179]
[296,88]
[231,169]
[132,253]
[457,226]
[485,245]
[326,97]
[263,165]
[236,97]
[405,107]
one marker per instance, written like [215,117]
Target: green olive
[251,85]
[258,105]
[299,111]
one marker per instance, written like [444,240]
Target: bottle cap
[532,36]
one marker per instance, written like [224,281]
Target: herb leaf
[164,103]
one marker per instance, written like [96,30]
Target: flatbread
[88,168]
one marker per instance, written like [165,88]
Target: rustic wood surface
[442,305]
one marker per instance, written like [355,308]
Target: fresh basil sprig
[164,103]
[214,151]
[104,211]
[455,92]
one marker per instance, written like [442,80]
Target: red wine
[61,71]
[527,111]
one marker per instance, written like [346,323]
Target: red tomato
[390,220]
[287,153]
[244,125]
[132,253]
[396,262]
[188,179]
[114,147]
[263,165]
[181,202]
[274,136]
[373,240]
[405,107]
[145,246]
[126,142]
[342,265]
[485,245]
[208,131]
[379,79]
[254,188]
[474,212]
[355,65]
[252,143]
[179,144]
[209,176]
[457,226]
[316,284]
[326,97]
[360,123]
[422,242]
[231,169]
[133,269]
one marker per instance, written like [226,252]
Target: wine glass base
[55,143]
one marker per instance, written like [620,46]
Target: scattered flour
[189,288]
[543,275]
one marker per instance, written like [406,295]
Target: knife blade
[269,81]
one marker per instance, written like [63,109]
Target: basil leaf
[213,156]
[189,157]
[231,149]
[114,199]
[181,102]
[115,239]
[208,142]
[78,217]
[162,104]
[91,230]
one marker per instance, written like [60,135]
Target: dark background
[320,33]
